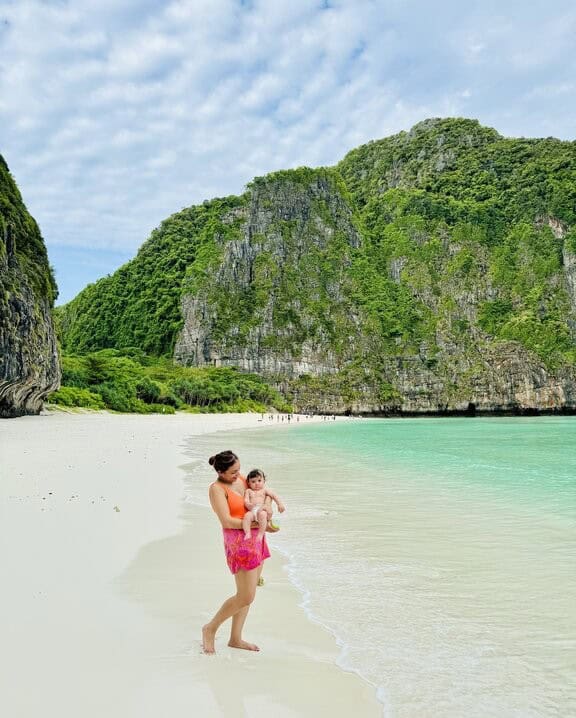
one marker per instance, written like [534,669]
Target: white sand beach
[108,576]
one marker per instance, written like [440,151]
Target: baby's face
[256,483]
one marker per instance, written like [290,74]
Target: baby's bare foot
[244,645]
[208,636]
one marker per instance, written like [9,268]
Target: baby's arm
[277,499]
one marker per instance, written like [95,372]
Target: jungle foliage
[130,380]
[452,203]
[139,305]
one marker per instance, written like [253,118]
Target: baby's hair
[223,460]
[254,474]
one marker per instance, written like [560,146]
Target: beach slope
[108,576]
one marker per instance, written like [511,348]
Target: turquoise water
[525,460]
[441,553]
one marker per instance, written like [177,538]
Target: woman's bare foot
[243,644]
[208,640]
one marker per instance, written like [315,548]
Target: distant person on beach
[254,499]
[245,558]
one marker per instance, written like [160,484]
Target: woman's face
[231,473]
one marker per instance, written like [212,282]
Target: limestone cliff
[278,296]
[29,366]
[270,303]
[416,313]
[428,272]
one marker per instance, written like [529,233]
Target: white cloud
[552,91]
[143,54]
[114,115]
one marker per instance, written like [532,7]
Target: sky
[115,114]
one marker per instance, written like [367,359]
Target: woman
[244,556]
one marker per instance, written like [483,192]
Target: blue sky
[115,114]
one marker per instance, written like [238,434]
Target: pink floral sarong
[244,554]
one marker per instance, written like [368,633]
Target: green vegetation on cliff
[28,352]
[281,261]
[139,305]
[467,172]
[415,259]
[21,238]
[453,203]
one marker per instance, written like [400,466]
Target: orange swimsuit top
[235,503]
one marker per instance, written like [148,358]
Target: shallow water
[441,553]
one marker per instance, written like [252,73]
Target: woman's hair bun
[223,460]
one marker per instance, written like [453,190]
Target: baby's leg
[262,522]
[247,524]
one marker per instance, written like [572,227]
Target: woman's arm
[221,508]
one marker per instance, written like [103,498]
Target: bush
[147,390]
[75,396]
[117,397]
[143,384]
[160,409]
[493,315]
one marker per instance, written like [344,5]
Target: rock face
[279,296]
[29,365]
[291,315]
[508,381]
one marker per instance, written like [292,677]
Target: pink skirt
[244,554]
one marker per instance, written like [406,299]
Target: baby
[254,498]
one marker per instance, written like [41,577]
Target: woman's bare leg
[238,620]
[246,582]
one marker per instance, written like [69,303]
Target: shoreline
[106,589]
[518,412]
